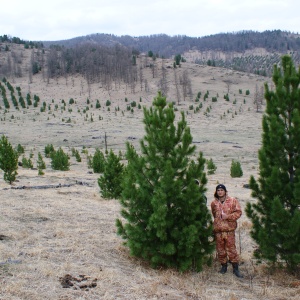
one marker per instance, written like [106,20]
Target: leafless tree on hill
[228,83]
[15,59]
[8,68]
[177,86]
[186,84]
[153,67]
[19,72]
[146,85]
[258,97]
[52,64]
[141,77]
[145,61]
[132,75]
[29,68]
[163,82]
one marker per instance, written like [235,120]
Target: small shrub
[27,163]
[110,181]
[77,156]
[236,169]
[75,153]
[20,149]
[8,160]
[60,160]
[84,150]
[205,96]
[41,172]
[98,162]
[211,167]
[40,162]
[90,161]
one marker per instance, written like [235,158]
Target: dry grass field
[60,242]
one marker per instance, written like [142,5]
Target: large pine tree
[168,222]
[276,214]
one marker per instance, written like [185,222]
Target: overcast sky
[52,20]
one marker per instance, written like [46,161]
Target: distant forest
[167,46]
[109,58]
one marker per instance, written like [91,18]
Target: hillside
[181,85]
[247,51]
[57,226]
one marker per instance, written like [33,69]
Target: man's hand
[224,216]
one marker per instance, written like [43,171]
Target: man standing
[226,210]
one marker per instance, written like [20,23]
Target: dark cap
[221,186]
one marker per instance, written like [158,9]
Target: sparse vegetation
[81,203]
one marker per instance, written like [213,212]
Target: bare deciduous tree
[141,76]
[146,85]
[258,97]
[228,83]
[177,86]
[163,83]
[186,84]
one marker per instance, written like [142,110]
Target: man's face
[220,193]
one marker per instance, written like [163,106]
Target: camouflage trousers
[225,244]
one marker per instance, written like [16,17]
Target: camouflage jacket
[232,208]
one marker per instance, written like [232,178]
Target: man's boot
[236,271]
[223,268]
